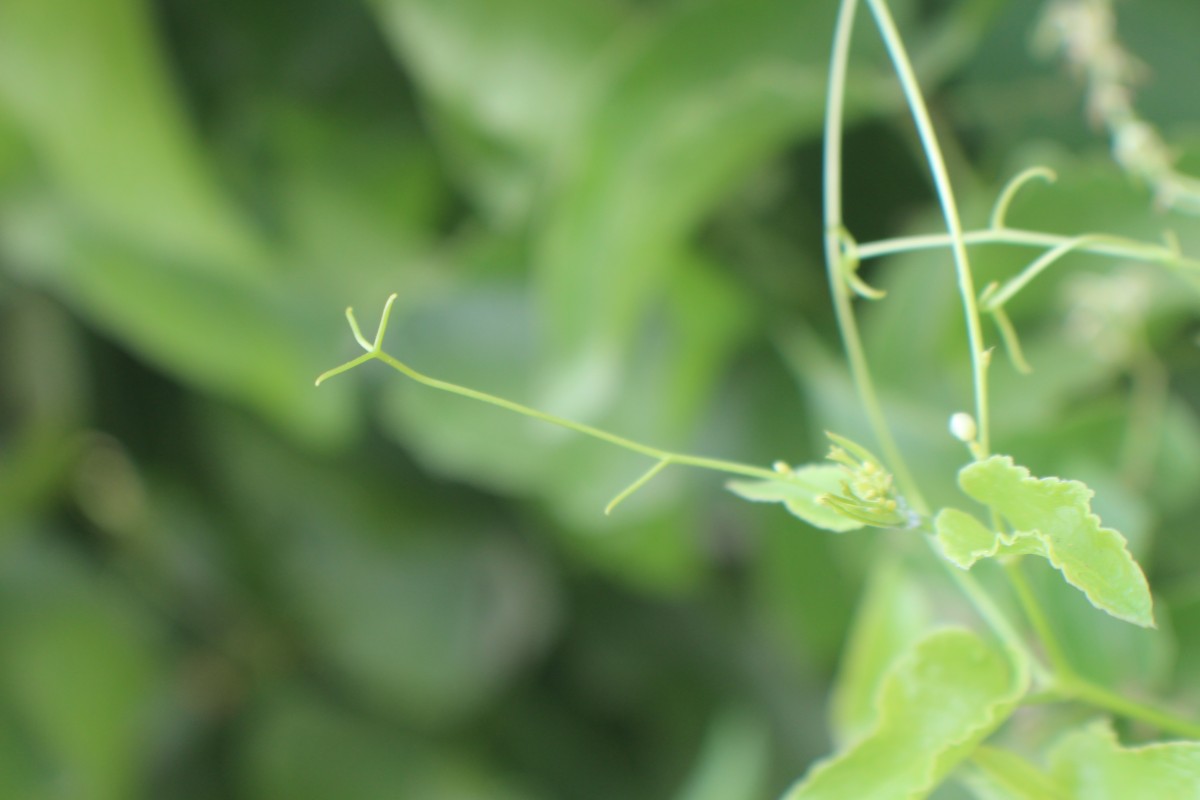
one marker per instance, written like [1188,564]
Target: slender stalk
[716,464]
[1113,246]
[1076,688]
[1069,685]
[991,614]
[945,192]
[664,458]
[834,261]
[1040,264]
[1037,618]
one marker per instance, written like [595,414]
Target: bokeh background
[219,581]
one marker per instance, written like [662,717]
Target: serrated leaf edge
[1000,541]
[1077,488]
[954,751]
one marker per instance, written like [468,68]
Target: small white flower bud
[962,427]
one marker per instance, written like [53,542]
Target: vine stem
[663,458]
[993,616]
[1065,683]
[834,260]
[1073,687]
[717,464]
[1114,246]
[1068,684]
[945,193]
[1037,618]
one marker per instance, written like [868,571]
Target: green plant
[918,706]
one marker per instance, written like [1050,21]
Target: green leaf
[505,82]
[964,539]
[82,671]
[733,763]
[892,615]
[1091,763]
[798,492]
[296,744]
[253,344]
[1091,558]
[666,137]
[939,700]
[138,173]
[1003,775]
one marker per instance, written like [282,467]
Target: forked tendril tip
[372,349]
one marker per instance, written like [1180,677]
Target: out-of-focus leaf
[259,346]
[1177,472]
[668,133]
[18,773]
[996,774]
[483,338]
[506,83]
[733,763]
[798,491]
[806,586]
[14,152]
[32,468]
[423,614]
[893,613]
[88,84]
[81,668]
[431,630]
[487,339]
[1091,763]
[135,234]
[936,703]
[1093,559]
[297,747]
[1102,648]
[357,197]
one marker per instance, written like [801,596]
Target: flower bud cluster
[868,493]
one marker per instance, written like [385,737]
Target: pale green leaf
[1092,558]
[939,700]
[964,539]
[1091,763]
[798,491]
[893,613]
[1003,775]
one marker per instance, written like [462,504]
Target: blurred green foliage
[217,581]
